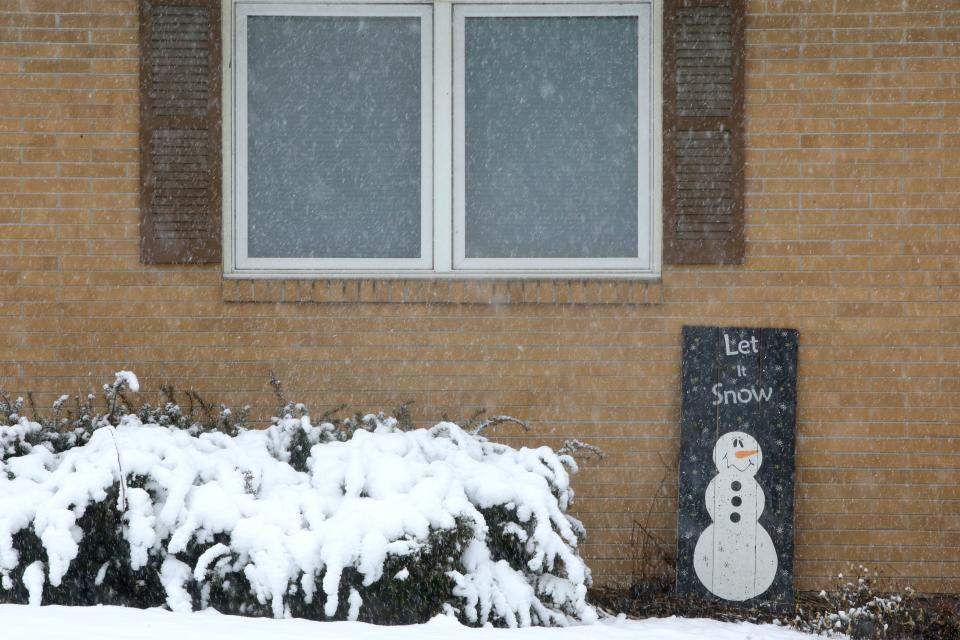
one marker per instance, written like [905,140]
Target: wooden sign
[738,430]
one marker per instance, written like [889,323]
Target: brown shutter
[703,61]
[180,141]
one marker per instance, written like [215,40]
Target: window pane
[550,139]
[333,136]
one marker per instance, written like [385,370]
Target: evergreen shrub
[361,518]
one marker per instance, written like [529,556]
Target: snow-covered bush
[364,518]
[858,610]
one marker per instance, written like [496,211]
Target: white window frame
[442,242]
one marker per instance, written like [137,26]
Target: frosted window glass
[550,137]
[333,137]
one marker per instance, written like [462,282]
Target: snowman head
[737,451]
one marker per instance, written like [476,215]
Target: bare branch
[575,448]
[496,421]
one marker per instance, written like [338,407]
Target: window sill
[444,291]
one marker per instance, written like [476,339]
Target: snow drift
[374,522]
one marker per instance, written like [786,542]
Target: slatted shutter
[703,56]
[180,171]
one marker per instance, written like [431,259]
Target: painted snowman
[735,558]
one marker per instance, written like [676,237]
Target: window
[438,139]
[333,137]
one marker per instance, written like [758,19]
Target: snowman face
[737,451]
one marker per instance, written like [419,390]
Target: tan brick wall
[853,236]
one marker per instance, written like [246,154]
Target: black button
[735,516]
[735,485]
[736,501]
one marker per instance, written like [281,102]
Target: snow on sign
[738,423]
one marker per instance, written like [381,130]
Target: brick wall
[853,236]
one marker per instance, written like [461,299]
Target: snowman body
[734,557]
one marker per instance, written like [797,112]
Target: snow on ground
[18,622]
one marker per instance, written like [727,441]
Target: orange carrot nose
[745,454]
